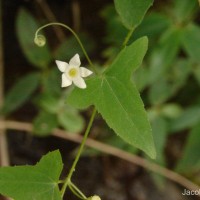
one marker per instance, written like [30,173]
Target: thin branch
[75,35]
[72,169]
[4,158]
[22,126]
[51,18]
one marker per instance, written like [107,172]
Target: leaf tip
[145,40]
[152,153]
[50,157]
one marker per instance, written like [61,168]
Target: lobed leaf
[140,78]
[118,100]
[39,182]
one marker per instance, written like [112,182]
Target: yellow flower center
[72,72]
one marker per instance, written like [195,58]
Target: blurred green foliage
[43,86]
[171,68]
[169,80]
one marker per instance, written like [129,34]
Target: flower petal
[85,72]
[61,65]
[79,82]
[75,61]
[65,81]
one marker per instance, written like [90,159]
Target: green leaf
[191,154]
[184,10]
[26,28]
[52,82]
[118,100]
[115,31]
[153,25]
[165,53]
[39,182]
[49,103]
[159,127]
[70,119]
[160,91]
[132,11]
[140,77]
[169,84]
[196,72]
[179,73]
[191,41]
[189,118]
[20,93]
[44,123]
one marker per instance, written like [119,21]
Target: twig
[51,18]
[22,126]
[4,158]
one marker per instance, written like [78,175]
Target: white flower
[72,72]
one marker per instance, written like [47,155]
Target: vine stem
[127,38]
[67,181]
[68,178]
[77,191]
[75,35]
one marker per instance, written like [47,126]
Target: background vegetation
[169,82]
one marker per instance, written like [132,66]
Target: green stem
[68,178]
[75,35]
[76,191]
[60,181]
[127,38]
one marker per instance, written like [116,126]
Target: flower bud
[95,197]
[40,40]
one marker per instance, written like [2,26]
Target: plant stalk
[68,178]
[127,38]
[77,38]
